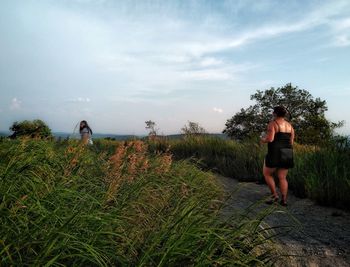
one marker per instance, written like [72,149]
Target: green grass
[323,175]
[65,204]
[242,161]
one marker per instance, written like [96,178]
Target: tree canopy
[34,129]
[306,113]
[192,129]
[151,126]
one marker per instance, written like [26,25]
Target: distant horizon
[117,134]
[118,64]
[138,135]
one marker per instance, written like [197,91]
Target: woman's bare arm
[270,135]
[292,136]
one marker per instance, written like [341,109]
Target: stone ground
[317,236]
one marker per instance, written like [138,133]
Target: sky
[117,64]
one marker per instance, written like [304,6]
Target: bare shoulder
[271,125]
[290,124]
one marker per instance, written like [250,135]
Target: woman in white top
[85,132]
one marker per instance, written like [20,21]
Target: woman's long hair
[86,125]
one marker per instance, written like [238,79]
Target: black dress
[280,151]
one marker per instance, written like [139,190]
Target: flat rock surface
[308,234]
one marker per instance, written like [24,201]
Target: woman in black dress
[279,158]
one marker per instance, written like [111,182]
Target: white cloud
[210,61]
[15,104]
[213,45]
[341,32]
[79,100]
[176,51]
[218,110]
[214,72]
[321,16]
[342,24]
[210,74]
[323,59]
[342,40]
[174,58]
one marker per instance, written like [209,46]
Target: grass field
[116,204]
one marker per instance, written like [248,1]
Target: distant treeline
[117,137]
[121,137]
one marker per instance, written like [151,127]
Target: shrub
[33,129]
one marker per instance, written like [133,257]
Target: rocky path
[320,236]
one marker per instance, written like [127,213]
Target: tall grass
[320,173]
[67,204]
[242,161]
[323,174]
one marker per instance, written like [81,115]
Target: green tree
[306,113]
[34,129]
[151,126]
[192,129]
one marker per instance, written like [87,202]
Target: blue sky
[120,63]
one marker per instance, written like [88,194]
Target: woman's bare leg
[282,177]
[268,175]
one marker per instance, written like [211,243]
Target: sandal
[273,199]
[283,202]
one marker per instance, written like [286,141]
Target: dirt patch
[308,234]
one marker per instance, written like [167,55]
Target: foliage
[306,113]
[229,158]
[33,129]
[192,129]
[152,127]
[323,174]
[65,204]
